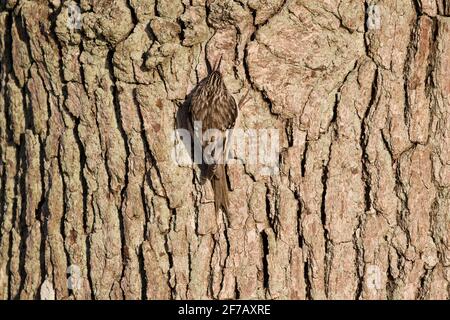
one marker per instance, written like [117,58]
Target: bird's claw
[244,100]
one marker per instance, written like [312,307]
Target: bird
[214,108]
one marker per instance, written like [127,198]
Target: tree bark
[93,207]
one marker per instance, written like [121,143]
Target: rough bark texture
[360,209]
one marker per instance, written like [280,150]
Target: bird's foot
[244,100]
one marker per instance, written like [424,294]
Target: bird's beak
[217,67]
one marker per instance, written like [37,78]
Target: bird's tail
[220,187]
[207,173]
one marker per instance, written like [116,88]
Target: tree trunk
[92,206]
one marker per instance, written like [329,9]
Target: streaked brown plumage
[213,106]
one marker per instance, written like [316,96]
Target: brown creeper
[213,107]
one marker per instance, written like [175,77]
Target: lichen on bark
[93,207]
